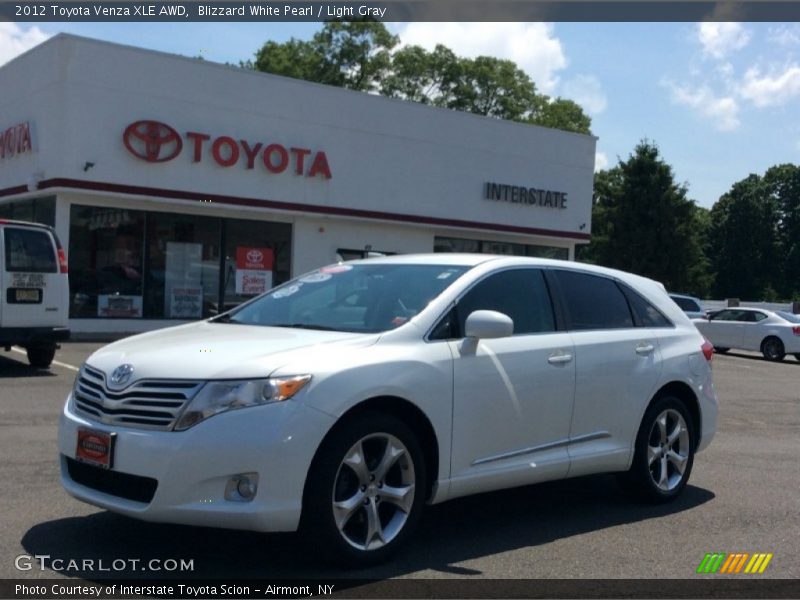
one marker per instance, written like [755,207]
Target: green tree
[782,185]
[743,236]
[562,114]
[354,55]
[361,55]
[422,76]
[643,222]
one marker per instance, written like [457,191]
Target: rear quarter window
[29,251]
[687,304]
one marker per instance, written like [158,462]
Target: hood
[201,351]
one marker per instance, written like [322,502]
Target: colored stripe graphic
[711,562]
[726,567]
[758,563]
[721,562]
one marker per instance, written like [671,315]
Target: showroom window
[257,258]
[182,267]
[137,264]
[448,244]
[106,260]
[35,210]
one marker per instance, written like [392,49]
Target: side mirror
[488,324]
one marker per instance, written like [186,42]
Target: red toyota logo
[254,256]
[152,141]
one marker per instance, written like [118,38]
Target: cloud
[533,46]
[723,111]
[784,35]
[771,90]
[587,91]
[14,40]
[720,39]
[600,161]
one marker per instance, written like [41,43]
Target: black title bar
[402,11]
[701,587]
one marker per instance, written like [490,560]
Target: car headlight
[219,396]
[75,386]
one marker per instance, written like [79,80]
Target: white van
[34,299]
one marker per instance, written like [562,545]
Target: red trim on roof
[100,186]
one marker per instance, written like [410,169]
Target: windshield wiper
[225,318]
[303,326]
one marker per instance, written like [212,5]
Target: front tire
[772,349]
[365,490]
[41,356]
[664,453]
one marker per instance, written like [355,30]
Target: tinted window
[687,304]
[29,251]
[593,302]
[521,294]
[645,313]
[728,315]
[754,317]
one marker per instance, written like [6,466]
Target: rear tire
[664,454]
[41,356]
[772,348]
[365,491]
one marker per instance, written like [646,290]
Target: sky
[721,100]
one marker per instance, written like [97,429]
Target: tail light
[796,330]
[62,256]
[62,261]
[708,350]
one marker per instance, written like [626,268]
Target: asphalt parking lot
[742,497]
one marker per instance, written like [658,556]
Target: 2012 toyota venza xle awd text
[344,400]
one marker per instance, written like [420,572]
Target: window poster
[183,281]
[254,268]
[116,305]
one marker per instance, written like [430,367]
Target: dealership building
[182,187]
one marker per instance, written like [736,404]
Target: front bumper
[193,467]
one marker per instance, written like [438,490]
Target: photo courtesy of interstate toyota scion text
[342,402]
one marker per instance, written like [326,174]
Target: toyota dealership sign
[156,142]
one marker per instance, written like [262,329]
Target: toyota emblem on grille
[122,374]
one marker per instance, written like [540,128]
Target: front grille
[123,485]
[145,404]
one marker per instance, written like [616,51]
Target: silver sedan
[773,333]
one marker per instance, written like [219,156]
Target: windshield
[359,298]
[788,316]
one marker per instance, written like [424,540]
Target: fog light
[246,488]
[242,487]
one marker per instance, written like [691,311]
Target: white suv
[34,290]
[344,400]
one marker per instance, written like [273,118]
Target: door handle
[559,358]
[644,349]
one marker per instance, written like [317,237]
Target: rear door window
[29,251]
[593,302]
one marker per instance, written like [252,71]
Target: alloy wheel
[668,450]
[373,491]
